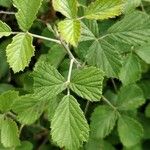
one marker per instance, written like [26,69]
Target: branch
[7,12]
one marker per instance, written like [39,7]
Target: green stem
[108,102]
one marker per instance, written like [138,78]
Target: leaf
[87,83]
[130,131]
[67,7]
[69,126]
[133,29]
[7,100]
[9,134]
[104,9]
[89,30]
[102,121]
[27,11]
[130,97]
[6,3]
[144,53]
[70,31]
[5,30]
[131,70]
[28,108]
[147,111]
[25,145]
[20,51]
[48,82]
[103,55]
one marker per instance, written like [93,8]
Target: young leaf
[102,54]
[5,30]
[69,126]
[67,7]
[28,109]
[87,83]
[70,31]
[130,97]
[144,53]
[48,82]
[131,70]
[27,11]
[7,99]
[130,131]
[102,121]
[20,51]
[9,134]
[104,9]
[134,29]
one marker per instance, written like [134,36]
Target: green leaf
[130,131]
[5,30]
[104,9]
[102,54]
[131,70]
[102,121]
[87,83]
[9,134]
[133,29]
[48,82]
[130,97]
[70,31]
[25,145]
[144,52]
[147,111]
[20,51]
[7,99]
[69,126]
[67,7]
[27,11]
[28,109]
[5,3]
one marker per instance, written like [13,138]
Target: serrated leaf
[67,7]
[144,52]
[9,134]
[20,51]
[102,121]
[70,31]
[130,97]
[130,131]
[7,99]
[104,9]
[103,55]
[133,29]
[5,30]
[48,82]
[27,11]
[131,70]
[69,126]
[87,83]
[28,108]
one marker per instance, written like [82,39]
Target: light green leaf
[130,97]
[28,109]
[144,53]
[69,126]
[7,99]
[48,82]
[104,9]
[131,70]
[27,11]
[133,29]
[67,7]
[87,83]
[20,51]
[102,54]
[5,30]
[102,121]
[130,131]
[70,31]
[9,134]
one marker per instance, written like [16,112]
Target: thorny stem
[7,12]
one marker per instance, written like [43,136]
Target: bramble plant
[84,85]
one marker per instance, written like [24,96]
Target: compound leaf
[69,126]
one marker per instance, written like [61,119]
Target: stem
[21,127]
[143,9]
[114,84]
[7,12]
[86,107]
[108,102]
